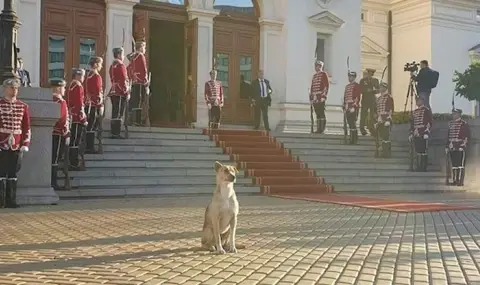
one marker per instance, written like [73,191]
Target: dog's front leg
[233,232]
[216,236]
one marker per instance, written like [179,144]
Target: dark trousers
[458,159]
[58,149]
[8,178]
[93,113]
[215,114]
[261,111]
[77,131]
[319,109]
[421,150]
[118,109]
[352,125]
[138,95]
[367,112]
[383,133]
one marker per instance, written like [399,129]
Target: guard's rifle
[129,90]
[411,152]
[101,112]
[66,151]
[311,112]
[448,161]
[344,108]
[377,124]
[15,53]
[146,102]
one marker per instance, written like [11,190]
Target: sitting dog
[220,225]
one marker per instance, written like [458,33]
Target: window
[323,49]
[56,57]
[478,15]
[176,2]
[87,50]
[362,16]
[236,6]
[222,66]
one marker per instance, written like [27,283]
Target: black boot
[319,127]
[363,131]
[73,159]
[386,149]
[54,182]
[425,163]
[418,162]
[354,136]
[138,117]
[90,142]
[116,126]
[12,193]
[3,193]
[324,125]
[461,176]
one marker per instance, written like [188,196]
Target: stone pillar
[119,19]
[204,57]
[34,176]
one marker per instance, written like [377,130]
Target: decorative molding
[272,24]
[202,14]
[324,3]
[371,48]
[326,22]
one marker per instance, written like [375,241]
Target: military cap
[352,74]
[384,84]
[319,62]
[370,71]
[95,59]
[58,83]
[117,50]
[458,111]
[78,71]
[12,82]
[140,43]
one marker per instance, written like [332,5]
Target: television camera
[411,67]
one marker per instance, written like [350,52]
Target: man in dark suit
[261,99]
[23,74]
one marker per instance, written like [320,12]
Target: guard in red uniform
[61,129]
[93,101]
[119,92]
[383,126]
[76,109]
[457,139]
[214,100]
[420,126]
[351,102]
[15,137]
[137,71]
[318,95]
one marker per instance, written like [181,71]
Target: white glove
[147,90]
[209,106]
[387,124]
[67,141]
[101,111]
[425,137]
[450,145]
[352,110]
[85,124]
[128,97]
[446,150]
[322,100]
[460,149]
[24,149]
[410,138]
[221,105]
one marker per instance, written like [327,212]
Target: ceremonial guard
[318,95]
[214,100]
[369,86]
[119,92]
[384,107]
[351,102]
[421,124]
[76,109]
[93,101]
[15,137]
[61,129]
[457,139]
[137,71]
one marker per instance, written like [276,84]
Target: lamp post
[8,36]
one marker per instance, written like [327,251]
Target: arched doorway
[236,55]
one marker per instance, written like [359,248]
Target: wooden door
[191,57]
[141,29]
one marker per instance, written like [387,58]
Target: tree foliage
[467,84]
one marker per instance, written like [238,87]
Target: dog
[220,225]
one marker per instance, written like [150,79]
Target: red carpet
[376,204]
[268,163]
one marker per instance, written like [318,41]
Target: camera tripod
[411,93]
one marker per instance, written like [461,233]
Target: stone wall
[34,177]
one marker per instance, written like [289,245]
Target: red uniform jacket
[214,93]
[62,125]
[384,108]
[94,89]
[75,101]
[458,134]
[14,125]
[119,79]
[422,122]
[137,69]
[352,95]
[319,87]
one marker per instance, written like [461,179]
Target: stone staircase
[353,168]
[153,161]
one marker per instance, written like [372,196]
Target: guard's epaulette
[74,84]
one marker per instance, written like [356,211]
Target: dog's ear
[217,166]
[236,170]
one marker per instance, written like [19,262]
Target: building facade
[186,39]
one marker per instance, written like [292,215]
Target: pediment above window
[326,20]
[369,47]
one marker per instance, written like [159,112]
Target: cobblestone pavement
[153,241]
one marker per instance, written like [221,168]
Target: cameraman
[424,82]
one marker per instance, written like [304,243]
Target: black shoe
[363,132]
[12,194]
[117,137]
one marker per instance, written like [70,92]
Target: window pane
[176,2]
[246,71]
[56,57]
[223,63]
[236,6]
[87,50]
[321,49]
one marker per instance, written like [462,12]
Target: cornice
[456,25]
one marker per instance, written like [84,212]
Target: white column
[119,19]
[29,13]
[204,57]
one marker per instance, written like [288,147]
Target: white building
[281,37]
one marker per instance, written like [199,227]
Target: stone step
[384,180]
[319,167]
[282,135]
[160,130]
[148,191]
[150,181]
[201,164]
[163,136]
[331,140]
[146,172]
[339,147]
[158,142]
[353,174]
[161,149]
[396,188]
[156,156]
[352,159]
[344,152]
